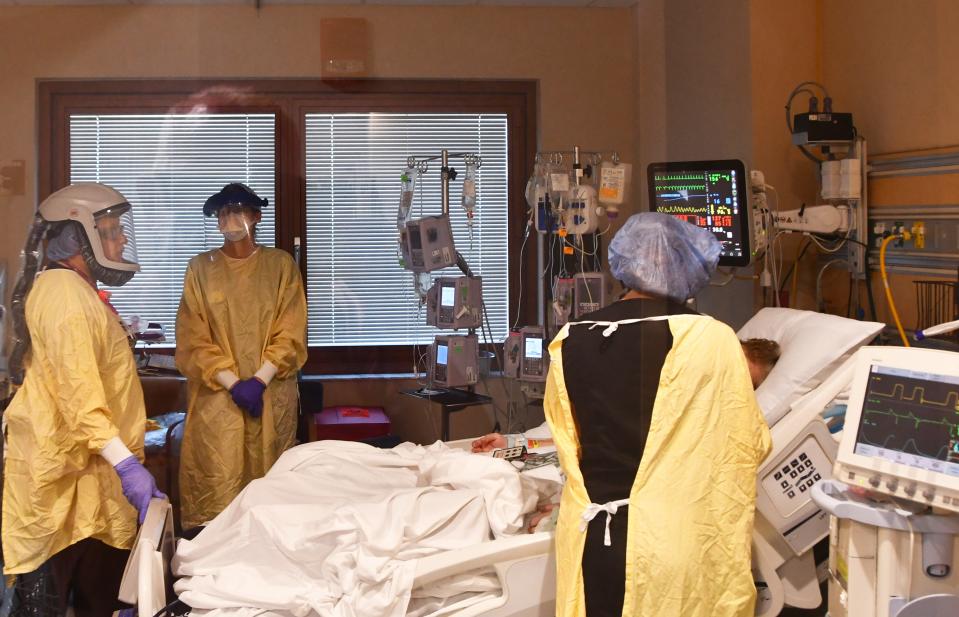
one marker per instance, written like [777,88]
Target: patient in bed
[761,356]
[336,528]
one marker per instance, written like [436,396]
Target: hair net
[235,193]
[66,244]
[664,256]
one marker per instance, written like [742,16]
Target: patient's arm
[495,441]
[487,443]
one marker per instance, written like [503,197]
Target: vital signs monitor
[708,194]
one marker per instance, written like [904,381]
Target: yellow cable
[885,284]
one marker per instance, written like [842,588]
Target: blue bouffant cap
[233,194]
[660,255]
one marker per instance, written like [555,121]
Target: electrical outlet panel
[933,239]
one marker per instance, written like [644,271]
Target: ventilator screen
[911,418]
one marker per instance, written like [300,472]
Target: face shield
[115,231]
[109,249]
[235,221]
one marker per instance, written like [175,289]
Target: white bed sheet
[335,528]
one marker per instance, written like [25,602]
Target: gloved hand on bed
[248,396]
[138,484]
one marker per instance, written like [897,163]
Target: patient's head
[761,356]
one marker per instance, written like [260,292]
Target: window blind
[356,290]
[167,165]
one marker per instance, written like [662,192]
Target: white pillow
[813,345]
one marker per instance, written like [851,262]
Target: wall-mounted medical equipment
[902,426]
[455,361]
[822,219]
[841,222]
[455,302]
[713,195]
[589,293]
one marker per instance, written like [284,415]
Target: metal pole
[445,174]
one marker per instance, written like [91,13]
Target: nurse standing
[241,338]
[658,432]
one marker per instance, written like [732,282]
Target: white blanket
[335,528]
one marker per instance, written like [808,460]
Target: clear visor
[117,236]
[236,221]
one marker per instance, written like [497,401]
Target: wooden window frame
[290,100]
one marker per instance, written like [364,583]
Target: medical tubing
[943,328]
[522,248]
[822,271]
[804,247]
[499,363]
[885,284]
[800,250]
[28,273]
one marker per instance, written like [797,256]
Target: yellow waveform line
[921,391]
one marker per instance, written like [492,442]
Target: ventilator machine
[894,499]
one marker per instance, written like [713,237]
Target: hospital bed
[812,372]
[523,565]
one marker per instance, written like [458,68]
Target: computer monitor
[708,194]
[901,433]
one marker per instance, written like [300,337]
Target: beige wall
[584,60]
[785,51]
[893,64]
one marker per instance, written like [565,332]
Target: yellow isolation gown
[691,505]
[80,391]
[234,315]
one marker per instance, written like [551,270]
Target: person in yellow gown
[652,410]
[241,338]
[74,485]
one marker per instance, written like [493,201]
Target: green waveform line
[681,187]
[661,177]
[916,420]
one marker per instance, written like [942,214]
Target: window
[328,156]
[357,292]
[167,165]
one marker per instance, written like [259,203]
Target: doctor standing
[241,338]
[660,437]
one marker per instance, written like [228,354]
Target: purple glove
[248,396]
[139,487]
